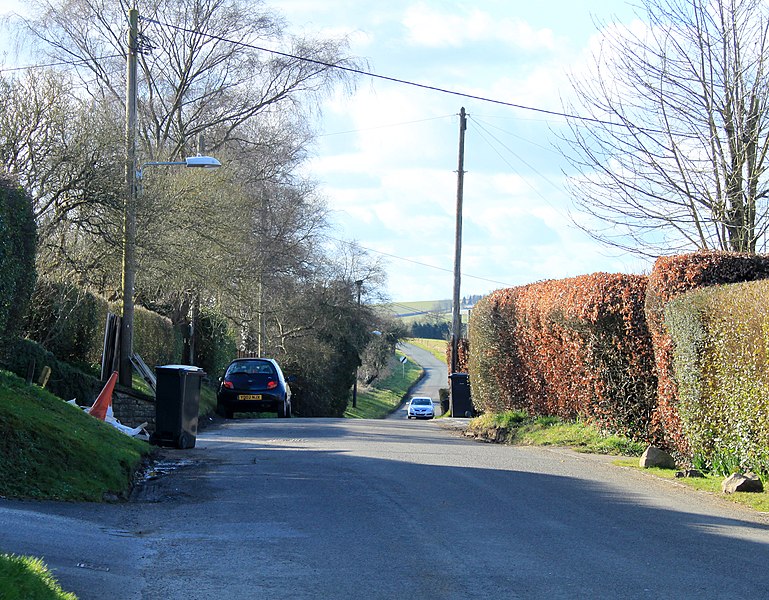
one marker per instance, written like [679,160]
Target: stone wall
[132,408]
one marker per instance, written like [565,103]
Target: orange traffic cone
[104,401]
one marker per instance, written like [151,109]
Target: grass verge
[435,347]
[709,483]
[52,450]
[385,394]
[519,428]
[27,578]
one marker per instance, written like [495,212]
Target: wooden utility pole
[456,327]
[125,370]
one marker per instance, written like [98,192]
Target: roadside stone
[739,482]
[655,457]
[690,473]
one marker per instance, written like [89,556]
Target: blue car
[253,385]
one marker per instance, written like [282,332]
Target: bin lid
[189,368]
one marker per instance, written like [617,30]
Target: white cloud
[436,27]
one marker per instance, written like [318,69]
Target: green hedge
[671,277]
[17,259]
[65,381]
[720,356]
[216,343]
[69,322]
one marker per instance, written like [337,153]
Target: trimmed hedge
[69,322]
[572,348]
[720,356]
[65,380]
[17,259]
[671,277]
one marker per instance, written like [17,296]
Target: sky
[386,155]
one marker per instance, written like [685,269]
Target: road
[334,508]
[435,378]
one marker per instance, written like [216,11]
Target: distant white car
[421,407]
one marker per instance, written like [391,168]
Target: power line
[389,78]
[415,262]
[59,64]
[385,126]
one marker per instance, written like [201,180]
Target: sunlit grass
[435,347]
[386,393]
[709,483]
[27,578]
[515,427]
[52,450]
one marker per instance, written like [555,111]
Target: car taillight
[228,385]
[271,385]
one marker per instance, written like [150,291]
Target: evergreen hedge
[17,259]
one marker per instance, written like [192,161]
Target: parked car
[421,407]
[253,385]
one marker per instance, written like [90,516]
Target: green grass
[386,393]
[52,450]
[710,483]
[519,428]
[435,347]
[27,578]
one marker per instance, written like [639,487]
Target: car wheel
[282,410]
[288,410]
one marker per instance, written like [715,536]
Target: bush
[671,277]
[720,354]
[216,344]
[65,380]
[17,259]
[156,340]
[67,321]
[572,348]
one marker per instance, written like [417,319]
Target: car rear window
[250,368]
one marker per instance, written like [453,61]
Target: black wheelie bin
[177,401]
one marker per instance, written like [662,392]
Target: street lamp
[125,369]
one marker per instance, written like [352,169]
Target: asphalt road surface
[333,508]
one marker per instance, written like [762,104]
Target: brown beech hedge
[573,348]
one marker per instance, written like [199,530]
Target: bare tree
[672,153]
[208,66]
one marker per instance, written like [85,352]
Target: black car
[253,385]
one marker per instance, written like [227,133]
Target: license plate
[249,397]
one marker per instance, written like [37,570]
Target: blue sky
[386,155]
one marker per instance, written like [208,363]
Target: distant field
[436,347]
[407,309]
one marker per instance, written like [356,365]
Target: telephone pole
[456,327]
[125,370]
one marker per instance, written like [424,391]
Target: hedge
[671,277]
[720,355]
[573,348]
[17,259]
[65,381]
[69,322]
